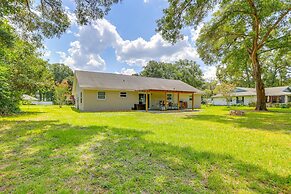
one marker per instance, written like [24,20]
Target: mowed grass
[50,149]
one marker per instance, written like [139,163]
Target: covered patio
[163,100]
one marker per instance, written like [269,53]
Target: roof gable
[240,89]
[288,89]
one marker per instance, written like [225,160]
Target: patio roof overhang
[165,98]
[169,91]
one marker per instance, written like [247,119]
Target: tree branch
[256,24]
[272,28]
[271,49]
[27,4]
[183,8]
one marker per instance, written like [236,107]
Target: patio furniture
[139,107]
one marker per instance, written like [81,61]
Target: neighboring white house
[245,96]
[95,91]
[29,99]
[34,100]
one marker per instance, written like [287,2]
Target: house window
[123,94]
[169,97]
[240,100]
[190,97]
[281,99]
[289,98]
[141,98]
[101,96]
[81,97]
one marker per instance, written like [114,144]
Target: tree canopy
[239,32]
[276,71]
[60,72]
[23,24]
[225,89]
[22,72]
[184,70]
[61,92]
[49,18]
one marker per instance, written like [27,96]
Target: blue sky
[123,42]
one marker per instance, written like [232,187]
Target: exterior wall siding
[113,101]
[222,102]
[250,99]
[155,99]
[79,105]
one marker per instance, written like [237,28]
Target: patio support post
[192,101]
[147,103]
[165,100]
[178,101]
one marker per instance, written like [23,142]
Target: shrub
[237,105]
[277,105]
[61,92]
[26,102]
[284,106]
[252,104]
[9,100]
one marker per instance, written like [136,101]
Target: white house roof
[28,98]
[273,91]
[110,81]
[279,91]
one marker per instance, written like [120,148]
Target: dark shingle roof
[110,81]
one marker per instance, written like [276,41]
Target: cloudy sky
[123,42]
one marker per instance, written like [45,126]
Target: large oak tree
[240,30]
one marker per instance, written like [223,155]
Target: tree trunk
[260,89]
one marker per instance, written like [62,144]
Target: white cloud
[78,58]
[195,33]
[145,1]
[140,51]
[93,40]
[125,71]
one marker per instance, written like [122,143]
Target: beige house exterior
[95,91]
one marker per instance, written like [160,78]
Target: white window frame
[172,96]
[123,94]
[101,98]
[190,98]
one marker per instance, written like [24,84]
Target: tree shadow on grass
[252,120]
[75,109]
[48,156]
[22,113]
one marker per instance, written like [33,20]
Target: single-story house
[245,96]
[95,91]
[35,101]
[28,98]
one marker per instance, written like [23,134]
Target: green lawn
[51,149]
